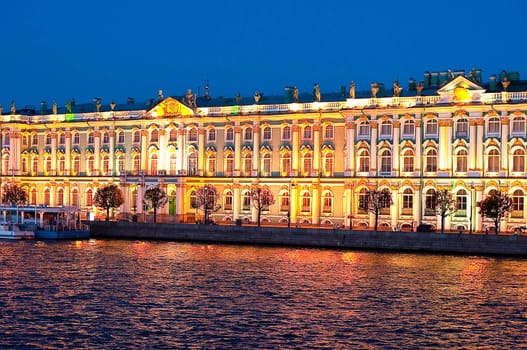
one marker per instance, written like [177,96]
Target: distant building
[450,131]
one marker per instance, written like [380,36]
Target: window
[192,163]
[462,127]
[76,165]
[227,204]
[24,140]
[363,201]
[493,126]
[408,128]
[328,132]
[518,126]
[247,164]
[431,127]
[408,202]
[229,134]
[284,201]
[461,161]
[153,164]
[286,133]
[120,136]
[266,164]
[386,161]
[518,160]
[34,165]
[248,134]
[193,135]
[327,204]
[267,133]
[75,198]
[105,165]
[430,202]
[461,201]
[106,138]
[246,200]
[192,199]
[328,163]
[89,197]
[137,136]
[35,140]
[47,196]
[364,161]
[431,161]
[211,137]
[306,163]
[62,139]
[306,202]
[173,164]
[33,196]
[364,130]
[76,138]
[62,164]
[386,129]
[120,164]
[307,133]
[60,196]
[173,135]
[24,165]
[229,164]
[48,139]
[285,163]
[91,138]
[517,204]
[493,160]
[90,165]
[408,160]
[211,163]
[136,161]
[47,164]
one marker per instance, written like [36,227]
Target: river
[139,294]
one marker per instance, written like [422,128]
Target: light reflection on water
[134,294]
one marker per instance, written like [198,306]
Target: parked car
[425,228]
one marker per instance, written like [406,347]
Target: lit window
[431,127]
[408,128]
[518,126]
[286,133]
[364,129]
[284,201]
[518,160]
[462,127]
[493,160]
[386,161]
[461,161]
[306,202]
[307,132]
[364,161]
[386,129]
[248,133]
[307,163]
[493,126]
[173,135]
[408,160]
[461,200]
[328,132]
[431,161]
[327,205]
[328,163]
[211,135]
[267,133]
[517,204]
[229,134]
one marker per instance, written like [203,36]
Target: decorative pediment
[460,90]
[170,108]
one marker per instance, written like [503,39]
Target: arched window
[120,164]
[105,165]
[364,161]
[193,135]
[431,160]
[34,165]
[60,196]
[461,201]
[211,137]
[408,160]
[306,202]
[284,201]
[364,130]
[386,129]
[89,197]
[47,163]
[229,134]
[306,163]
[386,161]
[76,138]
[24,165]
[5,164]
[461,161]
[229,164]
[62,164]
[267,133]
[137,136]
[120,136]
[47,196]
[75,198]
[91,138]
[192,163]
[408,128]
[518,199]
[193,199]
[518,160]
[34,141]
[173,164]
[431,128]
[430,202]
[285,163]
[211,163]
[462,127]
[493,160]
[48,139]
[363,201]
[328,163]
[328,132]
[106,137]
[173,135]
[227,204]
[90,164]
[33,196]
[62,139]
[266,164]
[136,161]
[493,126]
[247,164]
[307,134]
[246,200]
[154,135]
[327,204]
[248,134]
[76,164]
[408,202]
[518,126]
[286,133]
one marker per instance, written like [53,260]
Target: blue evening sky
[58,50]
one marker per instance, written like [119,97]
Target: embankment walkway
[480,244]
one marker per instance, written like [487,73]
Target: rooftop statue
[98,105]
[238,98]
[295,94]
[505,82]
[352,89]
[112,105]
[190,99]
[397,89]
[450,75]
[160,95]
[13,108]
[316,93]
[419,88]
[374,89]
[257,96]
[1,109]
[54,108]
[68,106]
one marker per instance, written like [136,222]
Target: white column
[256,149]
[181,145]
[201,151]
[237,150]
[472,145]
[316,148]
[373,149]
[163,151]
[504,151]
[350,143]
[96,153]
[479,145]
[418,145]
[396,130]
[68,170]
[296,150]
[315,213]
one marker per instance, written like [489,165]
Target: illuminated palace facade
[319,155]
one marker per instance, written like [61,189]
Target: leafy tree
[15,195]
[445,206]
[378,200]
[495,206]
[261,198]
[108,197]
[155,198]
[207,200]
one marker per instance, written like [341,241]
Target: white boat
[15,231]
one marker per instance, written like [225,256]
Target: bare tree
[445,205]
[207,200]
[108,197]
[155,198]
[378,200]
[261,198]
[15,195]
[496,206]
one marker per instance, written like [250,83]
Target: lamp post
[471,206]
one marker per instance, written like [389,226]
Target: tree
[155,198]
[108,197]
[495,206]
[15,195]
[261,198]
[378,200]
[445,206]
[207,200]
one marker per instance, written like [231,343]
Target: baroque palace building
[318,153]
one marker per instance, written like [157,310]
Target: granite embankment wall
[310,237]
